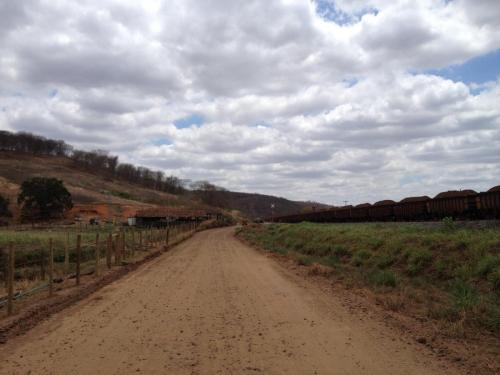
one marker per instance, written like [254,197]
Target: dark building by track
[162,217]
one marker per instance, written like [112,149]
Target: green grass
[461,265]
[30,245]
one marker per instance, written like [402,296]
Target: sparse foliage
[97,161]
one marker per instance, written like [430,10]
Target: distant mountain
[259,205]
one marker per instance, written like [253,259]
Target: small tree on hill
[44,198]
[4,207]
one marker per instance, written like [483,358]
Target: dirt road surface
[213,306]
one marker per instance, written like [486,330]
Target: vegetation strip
[442,273]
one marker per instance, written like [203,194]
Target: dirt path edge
[454,351]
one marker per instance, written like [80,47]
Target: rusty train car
[462,205]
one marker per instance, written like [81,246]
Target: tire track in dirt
[213,305]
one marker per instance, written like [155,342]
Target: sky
[331,101]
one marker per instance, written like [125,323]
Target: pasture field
[30,244]
[442,272]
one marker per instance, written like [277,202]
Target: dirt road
[212,306]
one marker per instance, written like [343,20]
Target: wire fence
[54,263]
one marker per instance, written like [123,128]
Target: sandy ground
[213,306]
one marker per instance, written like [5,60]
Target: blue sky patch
[350,82]
[410,179]
[477,70]
[189,121]
[161,142]
[329,11]
[53,93]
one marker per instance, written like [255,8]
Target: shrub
[304,260]
[376,243]
[418,260]
[494,278]
[4,207]
[384,260]
[384,278]
[448,224]
[121,194]
[444,268]
[465,297]
[341,251]
[331,261]
[487,265]
[360,257]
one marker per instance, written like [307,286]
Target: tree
[4,207]
[44,198]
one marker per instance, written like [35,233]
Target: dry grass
[447,274]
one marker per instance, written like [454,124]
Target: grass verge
[451,275]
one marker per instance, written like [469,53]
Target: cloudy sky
[357,100]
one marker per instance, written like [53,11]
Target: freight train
[459,205]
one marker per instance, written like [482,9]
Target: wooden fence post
[10,301]
[133,242]
[108,251]
[66,254]
[78,257]
[42,264]
[123,249]
[118,249]
[51,268]
[6,269]
[97,254]
[115,244]
[140,240]
[166,236]
[124,244]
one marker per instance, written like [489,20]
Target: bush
[360,257]
[304,260]
[384,260]
[465,297]
[494,278]
[44,198]
[4,207]
[444,268]
[487,265]
[384,278]
[418,260]
[331,261]
[448,224]
[341,251]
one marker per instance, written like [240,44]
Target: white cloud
[294,104]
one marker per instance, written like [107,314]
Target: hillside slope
[96,195]
[259,205]
[91,193]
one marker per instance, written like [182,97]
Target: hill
[93,194]
[111,198]
[259,205]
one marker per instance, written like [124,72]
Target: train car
[454,203]
[343,214]
[489,203]
[412,208]
[360,212]
[328,216]
[382,211]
